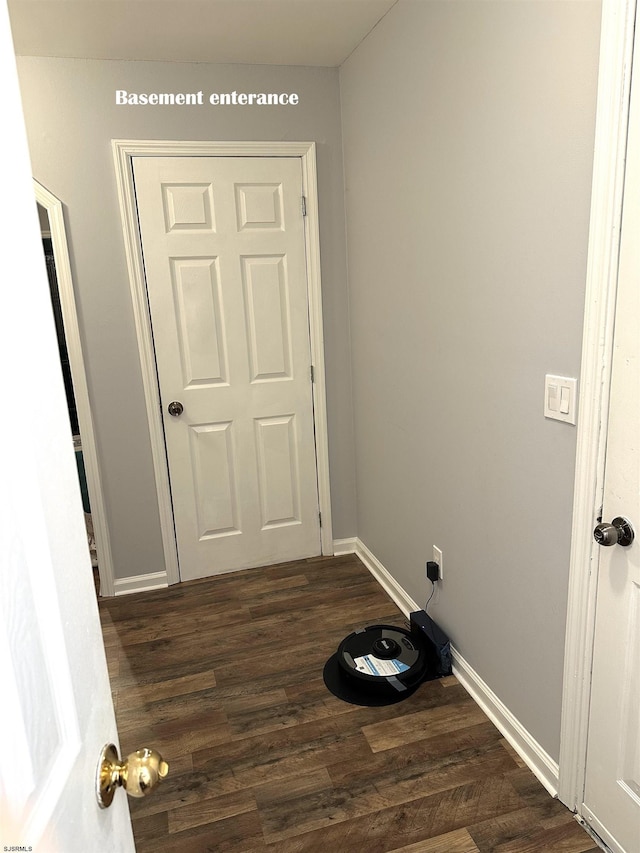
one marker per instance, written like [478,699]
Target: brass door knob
[137,774]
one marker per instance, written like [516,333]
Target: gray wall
[71,118]
[468,140]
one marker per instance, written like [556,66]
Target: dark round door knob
[176,408]
[619,532]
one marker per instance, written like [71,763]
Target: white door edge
[123,153]
[598,832]
[614,85]
[53,206]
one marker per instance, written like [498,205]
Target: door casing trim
[73,339]
[123,152]
[614,86]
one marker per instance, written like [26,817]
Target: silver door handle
[175,408]
[619,532]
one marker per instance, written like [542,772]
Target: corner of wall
[532,753]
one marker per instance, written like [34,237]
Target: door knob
[176,408]
[137,774]
[619,532]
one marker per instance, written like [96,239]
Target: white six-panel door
[224,257]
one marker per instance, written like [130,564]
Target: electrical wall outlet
[437,558]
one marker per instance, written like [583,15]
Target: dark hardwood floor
[224,677]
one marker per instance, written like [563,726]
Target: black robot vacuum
[377,665]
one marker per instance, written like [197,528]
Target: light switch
[560,398]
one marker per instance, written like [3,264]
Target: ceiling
[271,32]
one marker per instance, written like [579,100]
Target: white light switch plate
[560,398]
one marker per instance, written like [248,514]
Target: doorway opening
[124,152]
[82,433]
[50,261]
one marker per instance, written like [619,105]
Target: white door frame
[53,206]
[123,153]
[614,85]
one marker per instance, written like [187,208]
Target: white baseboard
[344,546]
[140,583]
[158,580]
[535,757]
[527,747]
[386,580]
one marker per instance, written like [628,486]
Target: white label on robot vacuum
[374,666]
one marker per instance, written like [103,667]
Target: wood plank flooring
[224,677]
